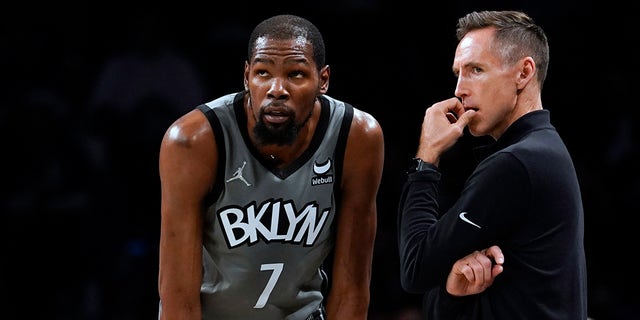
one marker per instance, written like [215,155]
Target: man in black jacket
[511,246]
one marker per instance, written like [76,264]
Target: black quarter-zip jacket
[523,196]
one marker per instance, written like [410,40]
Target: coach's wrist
[417,164]
[427,155]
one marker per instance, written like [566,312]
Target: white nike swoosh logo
[462,216]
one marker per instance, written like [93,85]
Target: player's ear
[246,76]
[325,72]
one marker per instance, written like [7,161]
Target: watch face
[416,164]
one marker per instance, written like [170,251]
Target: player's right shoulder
[190,129]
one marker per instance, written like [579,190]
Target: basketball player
[261,186]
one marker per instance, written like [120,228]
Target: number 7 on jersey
[277,270]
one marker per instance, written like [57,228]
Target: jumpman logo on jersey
[238,175]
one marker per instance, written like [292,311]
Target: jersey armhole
[341,147]
[218,184]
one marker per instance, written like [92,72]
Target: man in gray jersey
[261,186]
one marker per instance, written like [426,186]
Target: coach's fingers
[495,253]
[482,266]
[464,118]
[451,104]
[476,267]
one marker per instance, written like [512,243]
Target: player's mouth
[276,115]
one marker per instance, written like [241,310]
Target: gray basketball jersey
[268,231]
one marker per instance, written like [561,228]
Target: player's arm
[188,160]
[356,230]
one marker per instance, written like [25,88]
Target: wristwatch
[418,165]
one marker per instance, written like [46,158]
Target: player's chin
[278,129]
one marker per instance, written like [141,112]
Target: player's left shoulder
[365,123]
[366,139]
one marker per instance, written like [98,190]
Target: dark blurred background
[89,90]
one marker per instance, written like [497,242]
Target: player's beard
[283,134]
